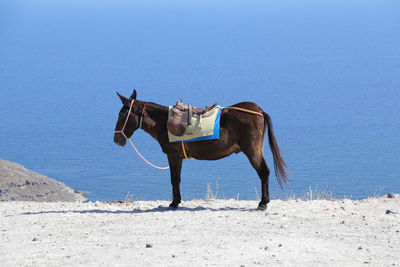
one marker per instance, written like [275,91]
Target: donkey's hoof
[262,207]
[173,206]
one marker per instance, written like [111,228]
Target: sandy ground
[200,233]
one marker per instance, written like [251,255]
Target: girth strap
[184,150]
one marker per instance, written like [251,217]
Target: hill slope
[20,184]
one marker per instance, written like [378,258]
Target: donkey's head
[128,119]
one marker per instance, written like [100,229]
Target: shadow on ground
[138,211]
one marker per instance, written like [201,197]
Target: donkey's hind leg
[257,160]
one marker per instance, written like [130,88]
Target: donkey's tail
[279,164]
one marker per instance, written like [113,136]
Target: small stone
[391,212]
[266,248]
[360,248]
[149,245]
[390,195]
[35,239]
[342,222]
[280,245]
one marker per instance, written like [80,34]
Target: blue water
[327,72]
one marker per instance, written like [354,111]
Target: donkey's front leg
[175,165]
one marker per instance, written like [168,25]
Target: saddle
[182,114]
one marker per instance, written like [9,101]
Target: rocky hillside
[20,184]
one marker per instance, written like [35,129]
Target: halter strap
[127,117]
[141,117]
[129,114]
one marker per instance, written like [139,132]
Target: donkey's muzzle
[119,139]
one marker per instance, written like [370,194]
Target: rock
[149,245]
[20,184]
[393,195]
[392,212]
[81,192]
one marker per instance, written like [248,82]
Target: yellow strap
[246,110]
[184,150]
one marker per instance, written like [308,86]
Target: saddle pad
[206,129]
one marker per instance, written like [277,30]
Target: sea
[327,72]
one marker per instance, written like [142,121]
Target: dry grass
[129,197]
[210,195]
[318,193]
[314,194]
[378,193]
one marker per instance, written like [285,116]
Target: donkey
[240,131]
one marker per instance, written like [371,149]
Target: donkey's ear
[124,100]
[133,96]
